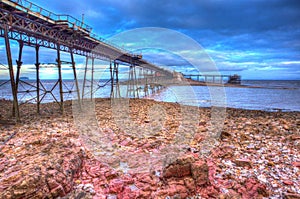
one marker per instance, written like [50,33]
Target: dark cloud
[228,17]
[240,35]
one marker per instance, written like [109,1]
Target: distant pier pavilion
[216,79]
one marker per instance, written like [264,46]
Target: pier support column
[141,70]
[117,89]
[16,112]
[19,63]
[60,79]
[75,77]
[84,77]
[145,76]
[132,87]
[111,80]
[135,82]
[92,78]
[37,66]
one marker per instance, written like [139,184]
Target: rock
[147,179]
[116,186]
[296,164]
[288,182]
[189,183]
[43,157]
[295,137]
[254,189]
[77,194]
[198,137]
[286,127]
[178,190]
[271,163]
[291,196]
[225,134]
[231,194]
[222,196]
[180,168]
[177,170]
[199,171]
[243,163]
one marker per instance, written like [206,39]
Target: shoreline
[47,155]
[270,110]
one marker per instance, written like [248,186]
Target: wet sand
[256,156]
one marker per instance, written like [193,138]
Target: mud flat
[256,156]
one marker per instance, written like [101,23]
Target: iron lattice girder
[34,33]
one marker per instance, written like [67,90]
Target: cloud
[240,36]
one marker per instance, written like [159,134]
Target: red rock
[58,191]
[291,196]
[128,179]
[286,127]
[160,193]
[225,134]
[111,174]
[199,171]
[212,192]
[145,194]
[99,196]
[174,190]
[182,180]
[208,192]
[52,184]
[144,187]
[198,137]
[189,183]
[177,181]
[223,152]
[288,182]
[211,169]
[127,193]
[296,164]
[94,171]
[242,162]
[126,142]
[181,189]
[147,179]
[253,189]
[116,186]
[180,168]
[295,137]
[232,194]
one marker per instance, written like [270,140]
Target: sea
[267,95]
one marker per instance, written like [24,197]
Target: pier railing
[29,7]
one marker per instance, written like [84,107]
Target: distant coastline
[198,83]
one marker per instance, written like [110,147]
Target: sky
[253,38]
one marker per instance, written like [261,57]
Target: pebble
[260,159]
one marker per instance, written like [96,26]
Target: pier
[215,79]
[33,26]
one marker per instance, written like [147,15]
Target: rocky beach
[45,156]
